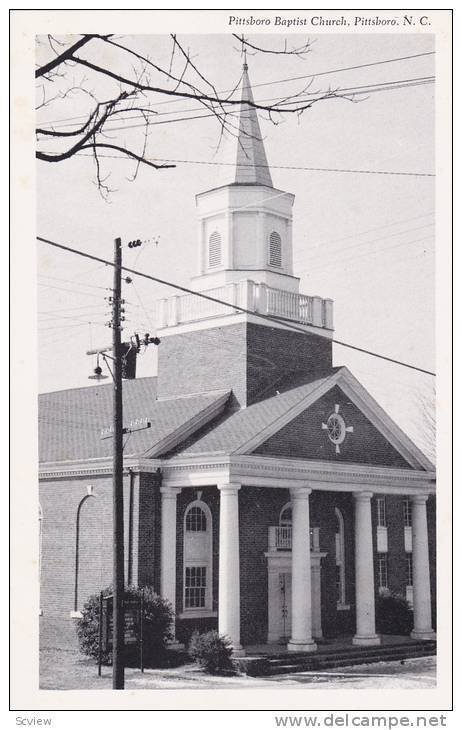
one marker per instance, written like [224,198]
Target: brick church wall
[278,359]
[252,360]
[60,501]
[322,514]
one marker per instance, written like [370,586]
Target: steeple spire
[251,163]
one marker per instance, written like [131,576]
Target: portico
[294,551]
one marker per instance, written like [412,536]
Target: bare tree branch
[300,51]
[132,96]
[66,55]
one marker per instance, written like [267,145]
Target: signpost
[133,629]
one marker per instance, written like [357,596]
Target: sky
[365,240]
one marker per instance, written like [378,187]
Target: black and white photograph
[237,369]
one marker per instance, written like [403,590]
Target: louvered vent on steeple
[275,249]
[214,249]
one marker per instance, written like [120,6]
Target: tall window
[409,573]
[381,512]
[275,249]
[383,572]
[197,557]
[340,559]
[407,513]
[195,585]
[214,249]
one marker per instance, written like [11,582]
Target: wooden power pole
[118,672]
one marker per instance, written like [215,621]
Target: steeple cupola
[245,261]
[245,225]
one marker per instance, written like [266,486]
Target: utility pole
[118,670]
[121,369]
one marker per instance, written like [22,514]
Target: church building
[271,497]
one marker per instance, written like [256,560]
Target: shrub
[393,614]
[157,621]
[211,651]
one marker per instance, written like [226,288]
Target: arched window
[285,516]
[197,558]
[88,551]
[196,520]
[275,250]
[340,559]
[214,250]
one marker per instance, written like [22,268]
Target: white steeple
[245,225]
[251,163]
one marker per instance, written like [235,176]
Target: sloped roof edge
[175,437]
[345,380]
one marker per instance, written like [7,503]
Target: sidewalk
[66,670]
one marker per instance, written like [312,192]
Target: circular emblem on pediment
[336,428]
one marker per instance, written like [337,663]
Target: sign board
[133,609]
[131,622]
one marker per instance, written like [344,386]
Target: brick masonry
[253,360]
[304,436]
[76,546]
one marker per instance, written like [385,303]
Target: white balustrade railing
[280,537]
[258,298]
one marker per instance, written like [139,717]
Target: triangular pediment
[338,421]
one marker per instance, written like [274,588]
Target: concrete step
[320,662]
[333,658]
[355,650]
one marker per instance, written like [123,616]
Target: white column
[168,547]
[364,562]
[421,570]
[301,639]
[229,603]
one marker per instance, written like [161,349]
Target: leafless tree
[133,83]
[426,425]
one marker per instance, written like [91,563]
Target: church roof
[244,431]
[70,421]
[251,163]
[236,429]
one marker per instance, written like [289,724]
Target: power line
[283,81]
[235,307]
[275,167]
[338,94]
[371,230]
[368,253]
[349,91]
[342,249]
[74,282]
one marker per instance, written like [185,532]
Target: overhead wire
[282,81]
[342,249]
[235,111]
[369,230]
[202,295]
